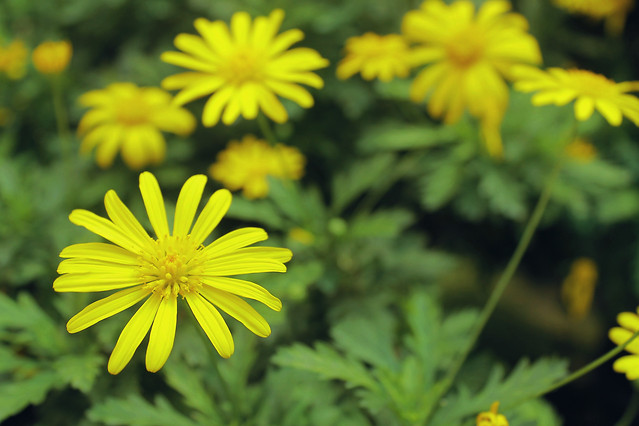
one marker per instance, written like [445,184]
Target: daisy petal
[244,289]
[215,209]
[212,323]
[162,334]
[187,203]
[83,283]
[238,309]
[104,228]
[234,240]
[100,251]
[154,204]
[120,215]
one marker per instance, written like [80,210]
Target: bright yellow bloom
[244,68]
[581,150]
[578,288]
[491,418]
[52,57]
[246,164]
[130,118]
[613,11]
[592,91]
[468,56]
[628,364]
[173,264]
[13,59]
[375,56]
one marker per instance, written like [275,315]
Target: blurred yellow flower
[130,118]
[491,418]
[52,57]
[591,91]
[375,56]
[468,56]
[581,150]
[628,364]
[160,269]
[246,164]
[13,59]
[301,235]
[578,288]
[244,68]
[613,11]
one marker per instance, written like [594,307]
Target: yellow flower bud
[52,57]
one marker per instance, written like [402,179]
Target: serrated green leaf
[188,383]
[382,223]
[327,362]
[505,195]
[79,371]
[16,395]
[136,410]
[400,136]
[440,185]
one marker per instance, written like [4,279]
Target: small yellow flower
[591,91]
[375,56]
[130,118]
[578,288]
[628,364]
[468,55]
[173,264]
[301,236]
[13,59]
[52,57]
[491,418]
[244,68]
[246,164]
[613,11]
[581,151]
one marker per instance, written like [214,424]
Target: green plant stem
[631,410]
[504,280]
[266,130]
[61,116]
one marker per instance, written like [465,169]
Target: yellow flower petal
[83,283]
[187,204]
[234,240]
[584,107]
[212,323]
[238,309]
[105,308]
[133,333]
[100,251]
[244,289]
[216,207]
[162,334]
[122,217]
[104,228]
[154,204]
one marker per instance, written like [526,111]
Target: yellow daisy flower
[173,264]
[52,57]
[578,288]
[591,91]
[491,418]
[613,11]
[244,68]
[468,56]
[130,118]
[375,56]
[13,59]
[246,164]
[628,364]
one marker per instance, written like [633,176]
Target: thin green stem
[266,130]
[505,278]
[61,116]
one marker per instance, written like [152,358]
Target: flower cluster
[627,364]
[491,418]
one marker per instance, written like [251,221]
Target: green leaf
[505,195]
[80,371]
[361,176]
[392,136]
[327,362]
[618,205]
[440,185]
[137,410]
[260,211]
[16,395]
[382,223]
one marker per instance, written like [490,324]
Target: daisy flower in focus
[613,11]
[52,57]
[375,56]
[130,119]
[245,68]
[628,364]
[468,54]
[589,90]
[491,418]
[13,59]
[246,165]
[160,269]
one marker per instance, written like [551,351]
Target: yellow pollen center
[172,268]
[466,47]
[132,111]
[242,67]
[591,84]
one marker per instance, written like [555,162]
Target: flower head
[130,118]
[589,90]
[578,288]
[628,364]
[244,68]
[468,55]
[613,11]
[13,59]
[491,418]
[246,165]
[52,57]
[375,56]
[170,265]
[581,151]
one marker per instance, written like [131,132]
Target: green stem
[266,130]
[631,411]
[61,116]
[504,280]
